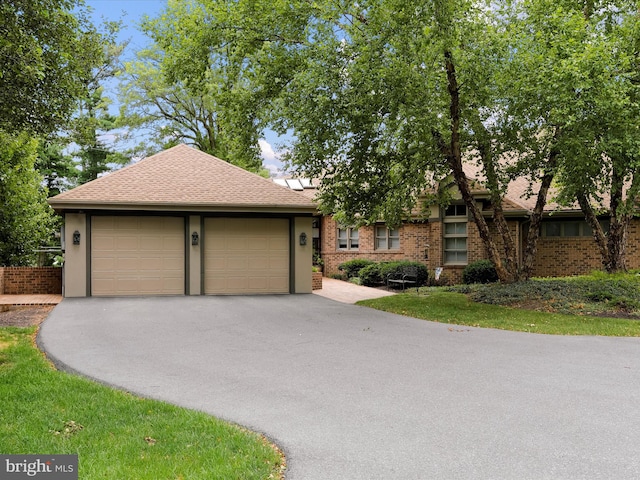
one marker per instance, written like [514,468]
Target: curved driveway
[353,393]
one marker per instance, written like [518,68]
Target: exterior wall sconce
[303,238]
[195,238]
[76,237]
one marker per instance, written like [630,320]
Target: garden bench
[407,276]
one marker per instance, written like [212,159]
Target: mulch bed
[24,316]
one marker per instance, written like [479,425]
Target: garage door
[137,256]
[246,255]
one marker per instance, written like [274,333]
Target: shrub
[376,274]
[481,271]
[370,275]
[352,267]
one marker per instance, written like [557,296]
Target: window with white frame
[348,239]
[387,238]
[455,235]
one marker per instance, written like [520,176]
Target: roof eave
[61,207]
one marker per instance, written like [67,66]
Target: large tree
[92,123]
[47,52]
[605,181]
[217,115]
[385,97]
[25,218]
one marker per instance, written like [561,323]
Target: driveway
[353,393]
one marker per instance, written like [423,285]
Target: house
[447,238]
[183,222]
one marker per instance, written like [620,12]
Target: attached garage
[136,255]
[246,255]
[183,222]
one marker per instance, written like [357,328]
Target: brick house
[448,238]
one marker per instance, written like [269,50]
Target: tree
[46,55]
[217,115]
[385,98]
[57,168]
[92,120]
[606,180]
[26,218]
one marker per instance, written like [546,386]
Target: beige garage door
[137,256]
[246,255]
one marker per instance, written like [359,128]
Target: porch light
[195,238]
[76,237]
[303,238]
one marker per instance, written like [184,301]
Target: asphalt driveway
[352,393]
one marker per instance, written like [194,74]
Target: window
[387,238]
[570,228]
[455,235]
[348,239]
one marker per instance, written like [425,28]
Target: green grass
[116,435]
[443,306]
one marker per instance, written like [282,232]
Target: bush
[370,275]
[352,267]
[376,274]
[481,271]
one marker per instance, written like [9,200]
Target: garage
[135,255]
[246,255]
[183,222]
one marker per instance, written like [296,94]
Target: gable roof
[183,178]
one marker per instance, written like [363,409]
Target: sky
[131,12]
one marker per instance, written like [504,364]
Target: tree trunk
[453,155]
[533,234]
[612,246]
[509,245]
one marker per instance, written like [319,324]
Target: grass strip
[456,308]
[115,434]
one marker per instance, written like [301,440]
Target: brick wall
[414,245]
[557,256]
[316,281]
[561,256]
[30,280]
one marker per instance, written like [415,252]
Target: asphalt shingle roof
[185,177]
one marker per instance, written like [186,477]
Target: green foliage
[384,100]
[216,113]
[92,120]
[371,276]
[376,274]
[480,271]
[25,218]
[57,168]
[47,51]
[598,293]
[352,268]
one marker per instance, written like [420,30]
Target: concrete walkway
[346,292]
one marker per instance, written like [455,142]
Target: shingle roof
[182,177]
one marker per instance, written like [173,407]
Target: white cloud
[268,154]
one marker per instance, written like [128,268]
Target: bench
[407,276]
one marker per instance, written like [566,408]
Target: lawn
[539,306]
[117,435]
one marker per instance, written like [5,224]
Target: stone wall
[30,280]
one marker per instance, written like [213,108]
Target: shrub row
[373,274]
